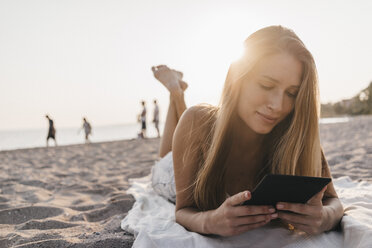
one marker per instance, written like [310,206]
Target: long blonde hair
[292,147]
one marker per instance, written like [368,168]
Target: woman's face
[268,96]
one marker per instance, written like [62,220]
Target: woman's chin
[263,129]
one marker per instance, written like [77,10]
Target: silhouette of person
[87,129]
[142,118]
[51,131]
[156,117]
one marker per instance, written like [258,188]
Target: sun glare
[236,51]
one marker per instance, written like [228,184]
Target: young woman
[267,122]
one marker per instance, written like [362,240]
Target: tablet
[285,188]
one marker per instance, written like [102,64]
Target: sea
[20,139]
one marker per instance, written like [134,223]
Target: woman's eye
[265,86]
[293,95]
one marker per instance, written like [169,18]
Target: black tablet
[284,188]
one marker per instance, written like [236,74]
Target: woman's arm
[231,217]
[333,213]
[334,210]
[185,171]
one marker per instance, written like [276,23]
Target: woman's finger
[248,220]
[294,218]
[239,198]
[242,211]
[294,207]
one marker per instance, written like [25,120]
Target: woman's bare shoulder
[200,113]
[195,124]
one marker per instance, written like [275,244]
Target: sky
[75,58]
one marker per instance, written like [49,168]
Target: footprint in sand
[87,207]
[33,241]
[113,208]
[45,225]
[34,183]
[4,206]
[22,215]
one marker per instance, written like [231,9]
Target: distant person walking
[87,129]
[51,132]
[142,118]
[156,117]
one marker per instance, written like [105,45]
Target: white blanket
[152,221]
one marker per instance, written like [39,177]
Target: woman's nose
[275,102]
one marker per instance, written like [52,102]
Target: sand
[75,196]
[348,148]
[70,196]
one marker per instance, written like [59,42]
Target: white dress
[162,179]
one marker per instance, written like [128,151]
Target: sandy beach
[75,196]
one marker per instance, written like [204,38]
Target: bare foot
[178,74]
[171,79]
[183,85]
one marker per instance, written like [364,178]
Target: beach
[75,196]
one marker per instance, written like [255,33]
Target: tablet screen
[286,188]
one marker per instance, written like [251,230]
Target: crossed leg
[172,80]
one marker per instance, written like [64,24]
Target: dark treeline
[360,104]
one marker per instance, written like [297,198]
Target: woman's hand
[309,217]
[233,218]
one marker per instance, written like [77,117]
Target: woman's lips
[267,118]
